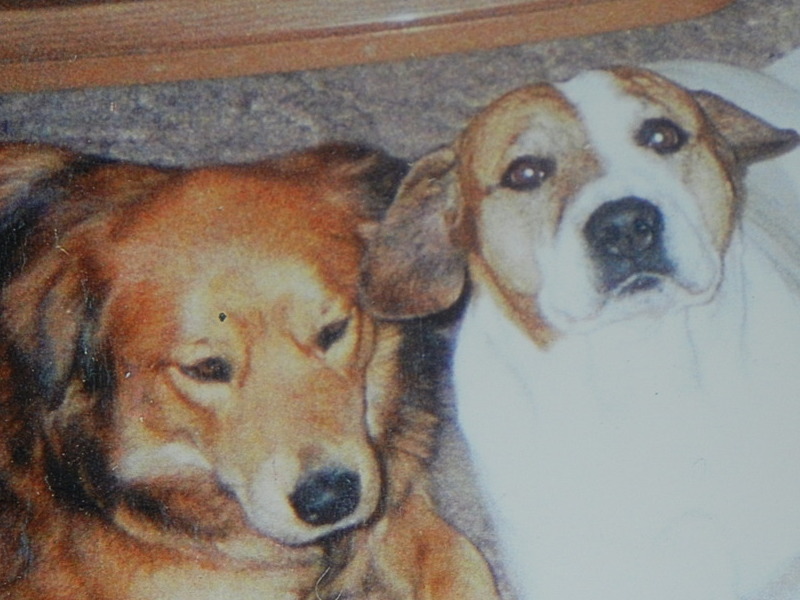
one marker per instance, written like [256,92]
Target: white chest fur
[650,459]
[656,458]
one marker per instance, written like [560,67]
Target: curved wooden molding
[53,44]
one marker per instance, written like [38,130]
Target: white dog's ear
[751,138]
[413,265]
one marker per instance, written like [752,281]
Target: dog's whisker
[319,582]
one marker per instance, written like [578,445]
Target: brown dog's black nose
[326,496]
[625,238]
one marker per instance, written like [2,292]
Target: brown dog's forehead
[219,209]
[224,242]
[239,201]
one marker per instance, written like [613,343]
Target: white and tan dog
[627,371]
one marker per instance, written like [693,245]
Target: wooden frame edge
[575,19]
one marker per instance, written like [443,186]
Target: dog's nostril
[326,496]
[624,228]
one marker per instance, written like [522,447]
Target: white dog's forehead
[610,115]
[598,95]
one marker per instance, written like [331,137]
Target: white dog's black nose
[326,496]
[625,239]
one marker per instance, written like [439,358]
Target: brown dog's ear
[33,180]
[370,176]
[751,138]
[47,312]
[45,297]
[25,196]
[16,554]
[413,267]
[377,176]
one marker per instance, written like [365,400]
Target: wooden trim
[145,41]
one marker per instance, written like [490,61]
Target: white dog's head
[575,204]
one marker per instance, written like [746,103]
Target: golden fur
[187,402]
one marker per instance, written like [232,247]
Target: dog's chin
[640,296]
[292,532]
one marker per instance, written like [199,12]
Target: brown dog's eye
[210,370]
[527,173]
[661,135]
[332,333]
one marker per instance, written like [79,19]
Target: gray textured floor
[407,107]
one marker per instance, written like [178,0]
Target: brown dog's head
[574,204]
[193,337]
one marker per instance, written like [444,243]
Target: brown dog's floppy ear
[370,175]
[751,138]
[34,179]
[373,174]
[45,297]
[413,267]
[46,312]
[376,173]
[26,193]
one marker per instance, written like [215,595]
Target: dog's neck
[519,309]
[524,408]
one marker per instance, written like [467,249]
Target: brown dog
[186,392]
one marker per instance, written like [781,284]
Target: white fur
[569,299]
[264,494]
[657,456]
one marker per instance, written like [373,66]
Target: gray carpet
[406,107]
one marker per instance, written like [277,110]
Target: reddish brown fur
[118,281]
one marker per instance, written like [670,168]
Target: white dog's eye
[214,369]
[527,173]
[331,333]
[661,135]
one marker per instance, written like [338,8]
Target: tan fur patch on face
[510,224]
[706,163]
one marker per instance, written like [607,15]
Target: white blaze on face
[571,296]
